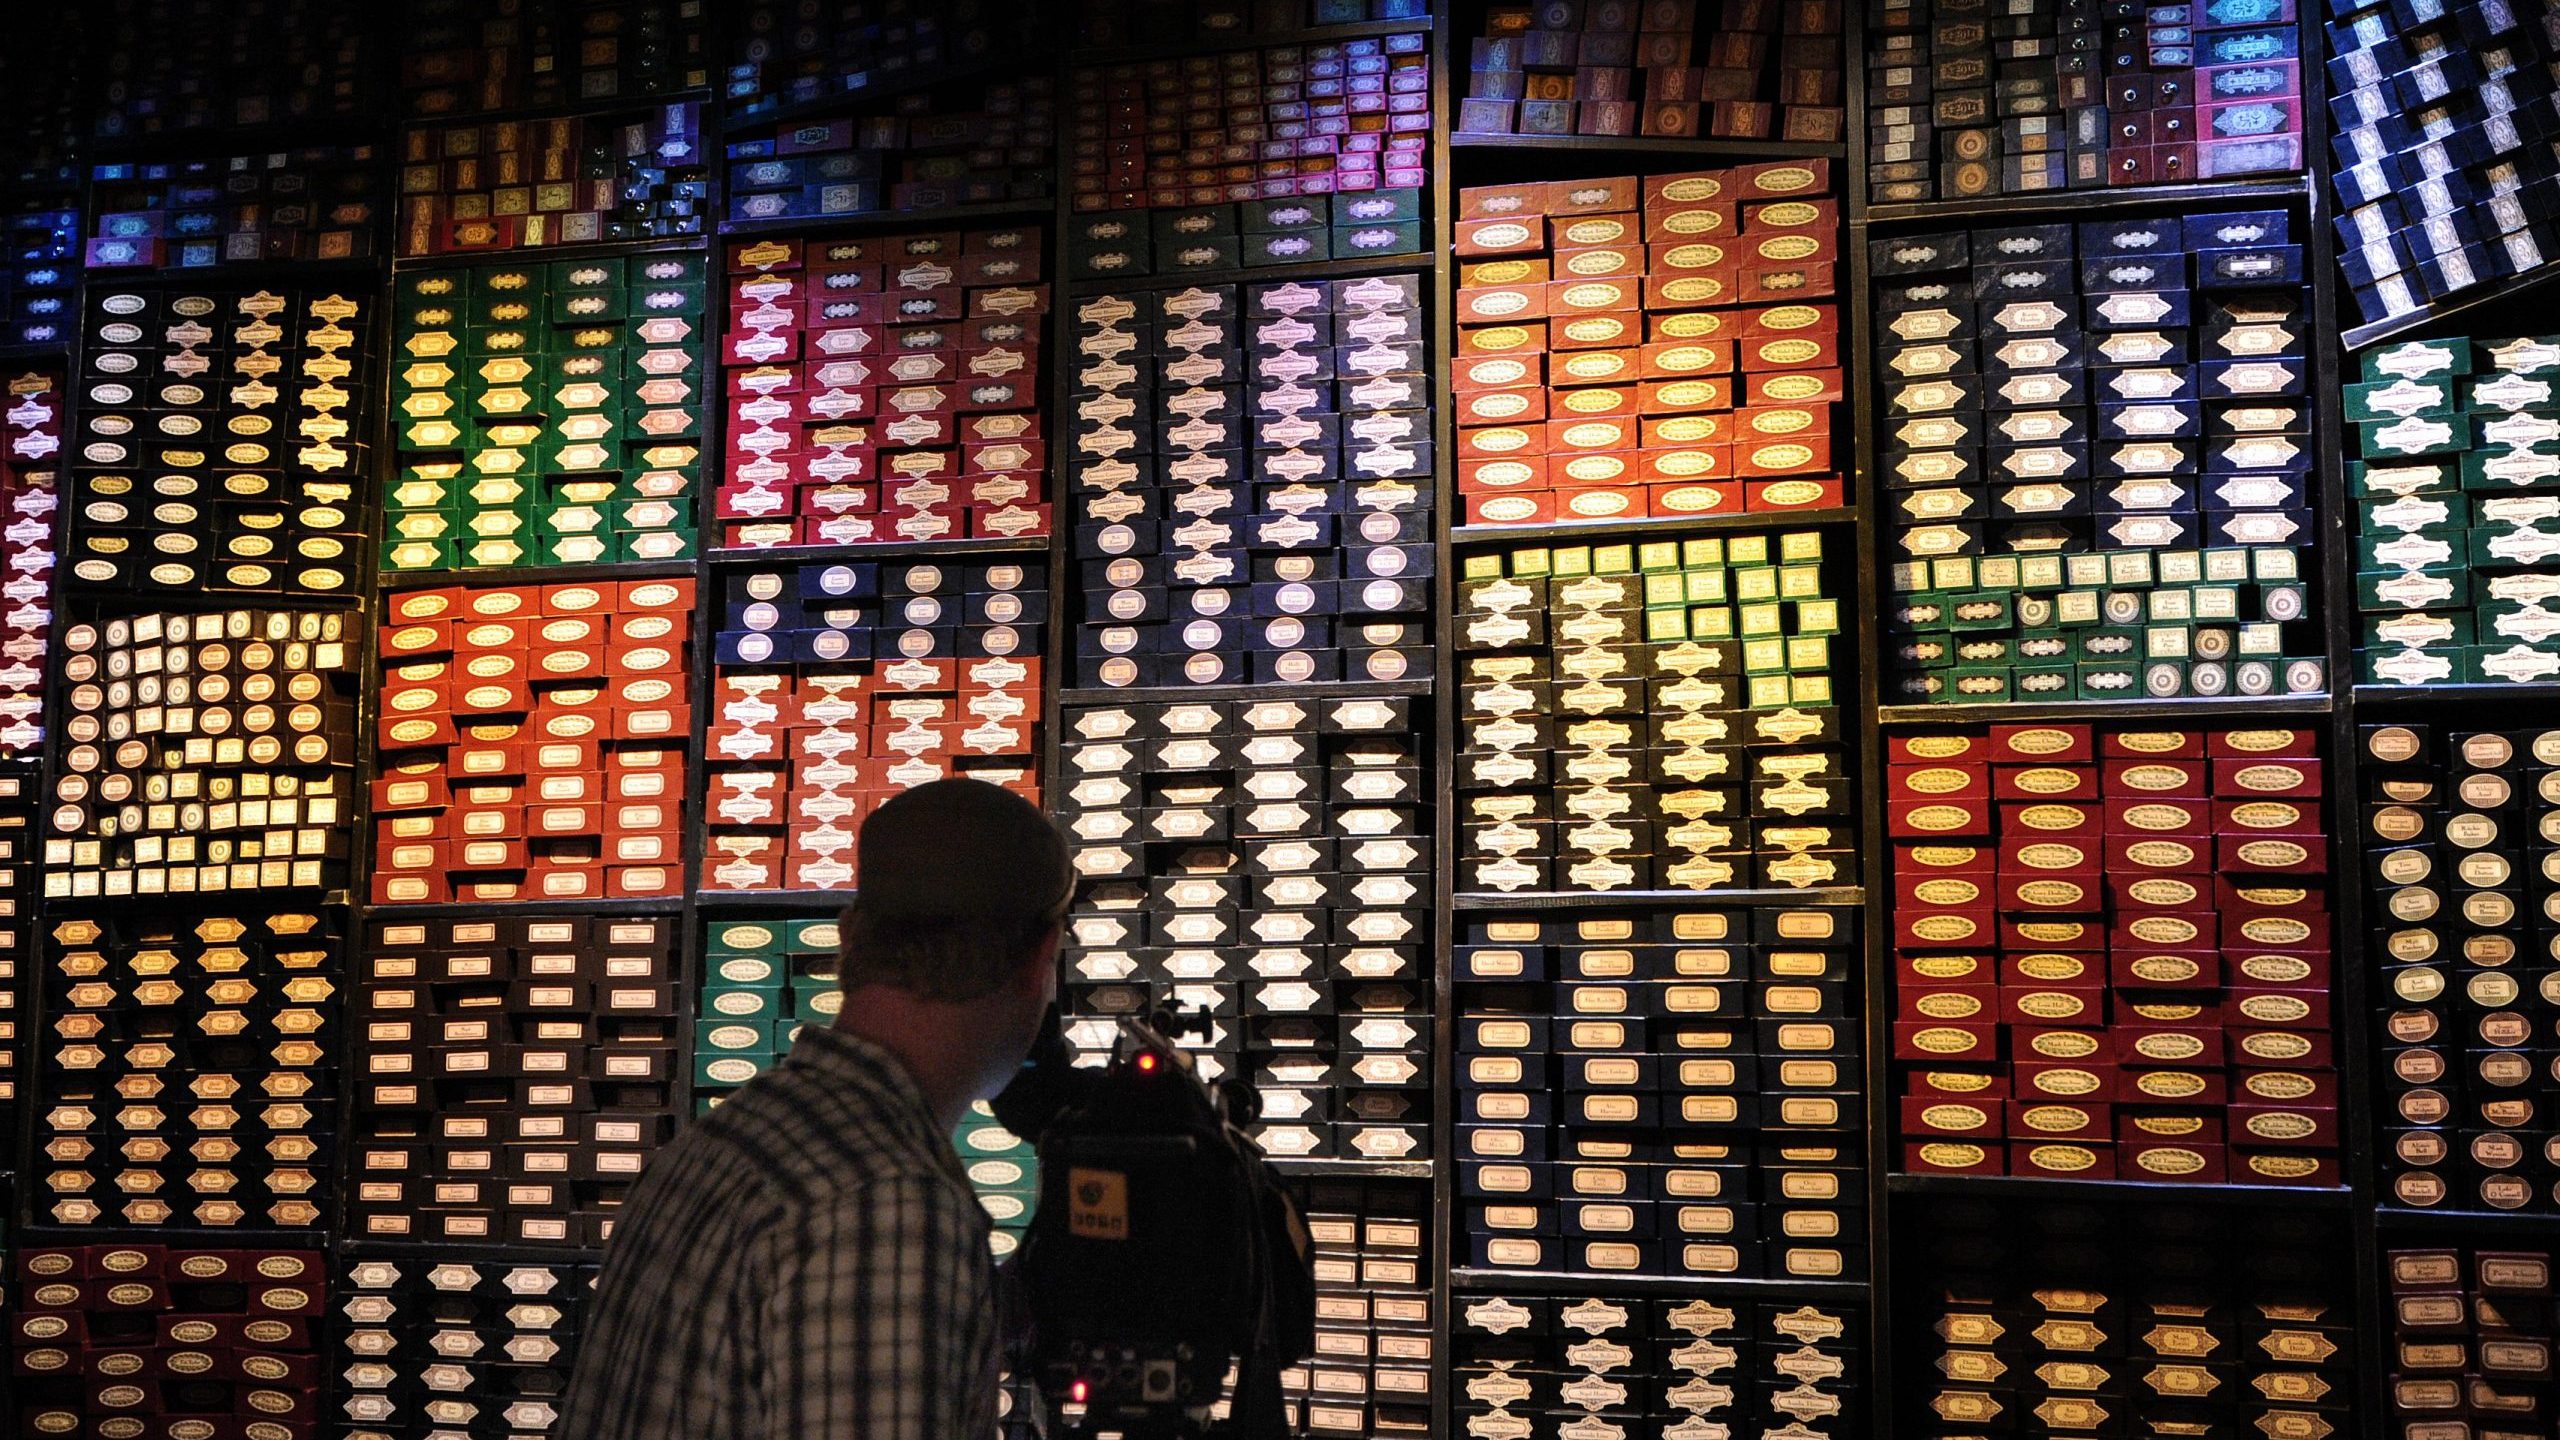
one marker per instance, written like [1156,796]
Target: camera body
[1164,1251]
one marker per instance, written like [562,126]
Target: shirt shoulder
[809,1139]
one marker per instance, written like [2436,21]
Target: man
[808,1262]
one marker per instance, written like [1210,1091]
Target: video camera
[1164,1250]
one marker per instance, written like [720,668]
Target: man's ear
[1043,960]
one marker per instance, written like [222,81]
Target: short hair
[960,880]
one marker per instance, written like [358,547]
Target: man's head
[963,888]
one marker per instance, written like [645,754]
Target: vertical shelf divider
[1441,302]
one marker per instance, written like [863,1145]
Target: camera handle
[1258,1412]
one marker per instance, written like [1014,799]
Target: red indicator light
[1146,1060]
[1078,1391]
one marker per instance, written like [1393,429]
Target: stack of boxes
[2454,839]
[885,390]
[268,809]
[567,181]
[30,492]
[840,685]
[1573,1364]
[762,980]
[1253,484]
[531,743]
[1651,717]
[456,1347]
[2440,179]
[1370,1372]
[548,414]
[190,1078]
[1001,144]
[1672,1092]
[169,67]
[1160,132]
[457,58]
[221,442]
[512,1076]
[1658,348]
[19,883]
[324,203]
[1005,1171]
[1265,861]
[1965,103]
[39,265]
[2098,450]
[2058,1320]
[2471,1340]
[1178,239]
[1747,70]
[2113,955]
[778,59]
[1151,23]
[151,1339]
[40,229]
[2458,512]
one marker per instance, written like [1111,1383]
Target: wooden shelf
[1704,147]
[574,106]
[200,1237]
[452,909]
[364,270]
[1591,1282]
[825,902]
[937,217]
[222,142]
[203,601]
[2071,204]
[2449,307]
[1652,527]
[1083,57]
[2423,695]
[1349,1169]
[1073,696]
[1481,900]
[468,1252]
[886,550]
[753,116]
[1411,261]
[2542,1224]
[2204,708]
[540,574]
[2026,1188]
[543,254]
[274,899]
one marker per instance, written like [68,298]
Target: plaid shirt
[808,1262]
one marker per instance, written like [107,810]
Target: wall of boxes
[1813,690]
